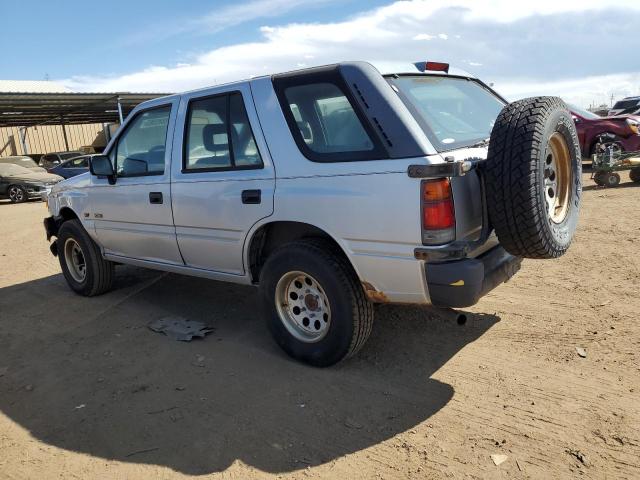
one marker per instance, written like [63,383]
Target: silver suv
[330,188]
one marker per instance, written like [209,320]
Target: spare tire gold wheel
[533,177]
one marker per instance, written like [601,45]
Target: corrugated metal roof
[28,109]
[32,86]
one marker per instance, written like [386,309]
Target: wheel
[84,269]
[17,194]
[616,150]
[611,179]
[634,174]
[599,178]
[314,304]
[533,178]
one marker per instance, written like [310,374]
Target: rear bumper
[461,283]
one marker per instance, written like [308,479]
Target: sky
[586,51]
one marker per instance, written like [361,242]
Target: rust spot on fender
[373,294]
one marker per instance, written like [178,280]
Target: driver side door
[133,217]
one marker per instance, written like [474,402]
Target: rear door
[133,218]
[223,179]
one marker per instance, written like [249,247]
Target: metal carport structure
[26,110]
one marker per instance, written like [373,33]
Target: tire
[534,144]
[611,179]
[599,178]
[98,272]
[326,340]
[17,194]
[634,174]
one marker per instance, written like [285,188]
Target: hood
[38,177]
[620,118]
[37,169]
[79,181]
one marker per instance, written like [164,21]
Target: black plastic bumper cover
[461,283]
[51,227]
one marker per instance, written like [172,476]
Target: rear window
[26,162]
[453,112]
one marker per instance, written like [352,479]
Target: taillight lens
[438,213]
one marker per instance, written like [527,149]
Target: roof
[26,109]
[32,86]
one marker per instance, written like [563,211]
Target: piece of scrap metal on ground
[180,328]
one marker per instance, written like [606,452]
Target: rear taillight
[438,214]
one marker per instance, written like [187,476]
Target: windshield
[453,112]
[624,104]
[11,170]
[583,113]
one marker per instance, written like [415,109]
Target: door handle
[253,197]
[155,198]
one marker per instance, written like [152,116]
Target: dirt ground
[88,391]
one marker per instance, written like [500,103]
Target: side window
[218,135]
[324,121]
[80,162]
[141,148]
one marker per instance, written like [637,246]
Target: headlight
[634,126]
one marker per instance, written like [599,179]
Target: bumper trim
[461,283]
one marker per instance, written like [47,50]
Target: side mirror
[101,166]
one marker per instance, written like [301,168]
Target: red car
[625,130]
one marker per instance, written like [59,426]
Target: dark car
[624,130]
[71,168]
[20,184]
[50,160]
[23,161]
[626,106]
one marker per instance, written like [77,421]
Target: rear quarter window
[324,120]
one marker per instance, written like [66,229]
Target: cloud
[514,44]
[596,90]
[222,18]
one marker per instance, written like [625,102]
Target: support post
[64,134]
[106,132]
[23,139]
[120,111]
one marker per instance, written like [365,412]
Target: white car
[331,189]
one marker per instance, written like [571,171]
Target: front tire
[83,267]
[17,194]
[314,305]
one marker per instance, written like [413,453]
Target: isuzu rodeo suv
[330,188]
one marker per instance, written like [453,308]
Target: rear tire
[634,174]
[83,267]
[611,179]
[533,177]
[314,305]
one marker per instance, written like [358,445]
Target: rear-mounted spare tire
[533,177]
